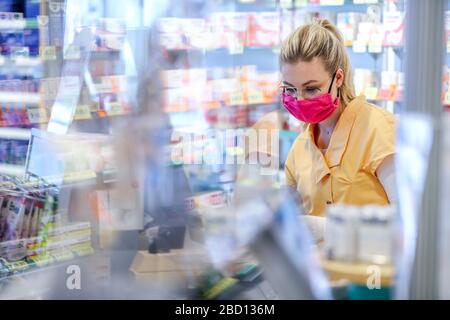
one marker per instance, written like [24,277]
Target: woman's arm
[386,175]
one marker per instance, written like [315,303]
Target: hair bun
[325,23]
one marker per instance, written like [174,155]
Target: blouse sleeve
[381,143]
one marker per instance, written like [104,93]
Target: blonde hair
[321,39]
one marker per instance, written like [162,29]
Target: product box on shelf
[446,85]
[170,25]
[174,78]
[365,83]
[110,34]
[394,24]
[206,40]
[58,245]
[206,200]
[175,100]
[264,29]
[12,20]
[9,40]
[230,30]
[172,41]
[347,23]
[193,26]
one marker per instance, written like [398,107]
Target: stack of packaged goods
[231,30]
[204,200]
[446,86]
[13,151]
[32,233]
[69,241]
[110,34]
[20,65]
[360,234]
[202,89]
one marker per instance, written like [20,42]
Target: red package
[264,29]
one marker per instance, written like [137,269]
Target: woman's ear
[339,78]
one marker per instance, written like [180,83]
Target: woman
[345,154]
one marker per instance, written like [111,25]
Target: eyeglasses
[309,92]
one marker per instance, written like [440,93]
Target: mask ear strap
[332,81]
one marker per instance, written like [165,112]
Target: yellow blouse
[363,137]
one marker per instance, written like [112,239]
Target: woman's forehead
[303,71]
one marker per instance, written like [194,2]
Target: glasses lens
[291,92]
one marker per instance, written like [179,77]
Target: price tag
[301,3]
[285,3]
[359,47]
[385,94]
[398,95]
[375,47]
[37,115]
[115,84]
[237,98]
[237,48]
[447,98]
[332,2]
[255,97]
[365,1]
[115,109]
[104,87]
[371,93]
[79,176]
[83,250]
[17,52]
[63,255]
[42,260]
[48,53]
[73,52]
[83,112]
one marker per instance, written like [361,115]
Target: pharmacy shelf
[273,49]
[12,170]
[357,273]
[19,24]
[12,25]
[15,134]
[105,55]
[20,97]
[25,62]
[35,274]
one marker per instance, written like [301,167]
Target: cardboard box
[173,267]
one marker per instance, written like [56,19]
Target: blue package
[10,39]
[32,9]
[6,5]
[4,151]
[31,40]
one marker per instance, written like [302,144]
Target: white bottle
[376,235]
[341,233]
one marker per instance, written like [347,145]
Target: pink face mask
[312,110]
